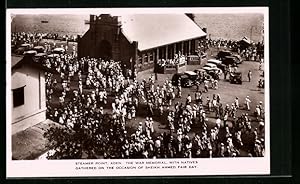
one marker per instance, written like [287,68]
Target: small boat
[44,21]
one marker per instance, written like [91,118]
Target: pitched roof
[154,30]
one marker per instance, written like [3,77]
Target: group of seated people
[178,59]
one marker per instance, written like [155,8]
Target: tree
[79,141]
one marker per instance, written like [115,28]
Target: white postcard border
[204,166]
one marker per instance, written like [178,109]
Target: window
[151,58]
[139,60]
[18,97]
[145,59]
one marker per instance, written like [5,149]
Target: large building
[28,93]
[139,40]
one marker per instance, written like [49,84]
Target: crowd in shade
[97,102]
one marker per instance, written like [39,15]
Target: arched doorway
[104,50]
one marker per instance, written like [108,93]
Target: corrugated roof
[154,30]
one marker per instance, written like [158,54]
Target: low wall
[170,69]
[29,121]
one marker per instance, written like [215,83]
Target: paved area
[227,91]
[30,143]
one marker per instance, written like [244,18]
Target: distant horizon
[219,25]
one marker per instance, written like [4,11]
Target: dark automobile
[239,59]
[199,70]
[201,74]
[192,75]
[39,49]
[40,57]
[235,78]
[59,50]
[30,53]
[222,54]
[24,47]
[184,78]
[230,60]
[214,74]
[218,63]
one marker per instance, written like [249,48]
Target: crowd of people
[251,52]
[18,38]
[178,59]
[71,38]
[87,87]
[98,100]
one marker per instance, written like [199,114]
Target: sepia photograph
[137,92]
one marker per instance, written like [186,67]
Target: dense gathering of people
[177,60]
[251,52]
[83,89]
[34,39]
[87,87]
[18,38]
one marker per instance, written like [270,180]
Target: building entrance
[104,50]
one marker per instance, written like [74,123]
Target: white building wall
[33,111]
[43,90]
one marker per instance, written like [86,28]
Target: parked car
[239,59]
[200,70]
[212,70]
[53,55]
[222,54]
[202,74]
[58,51]
[211,67]
[39,49]
[218,63]
[30,53]
[192,75]
[40,57]
[214,61]
[185,80]
[236,78]
[230,60]
[24,47]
